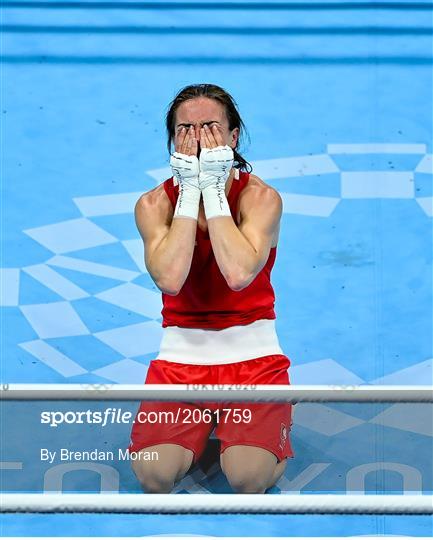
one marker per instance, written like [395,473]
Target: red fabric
[205,300]
[269,427]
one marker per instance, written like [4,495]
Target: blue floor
[254,525]
[338,107]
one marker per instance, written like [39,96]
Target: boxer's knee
[248,469]
[243,482]
[160,476]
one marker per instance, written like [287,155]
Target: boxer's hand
[185,166]
[215,166]
[216,161]
[211,137]
[185,141]
[184,162]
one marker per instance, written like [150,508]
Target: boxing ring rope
[213,392]
[217,503]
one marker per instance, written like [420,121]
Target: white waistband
[233,344]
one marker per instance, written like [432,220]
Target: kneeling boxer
[210,235]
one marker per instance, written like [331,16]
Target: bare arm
[168,243]
[241,252]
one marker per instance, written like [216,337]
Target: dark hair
[213,92]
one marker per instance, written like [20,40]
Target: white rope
[209,392]
[216,504]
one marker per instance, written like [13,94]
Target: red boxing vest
[205,300]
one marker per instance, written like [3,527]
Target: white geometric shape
[133,340]
[107,205]
[136,252]
[125,371]
[56,282]
[377,184]
[160,174]
[89,267]
[323,419]
[308,205]
[326,371]
[57,319]
[420,373]
[70,235]
[426,203]
[10,286]
[53,358]
[425,165]
[293,167]
[302,479]
[192,483]
[376,148]
[412,417]
[135,298]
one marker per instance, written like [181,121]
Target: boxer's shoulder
[257,191]
[155,199]
[155,196]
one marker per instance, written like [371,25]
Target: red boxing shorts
[190,424]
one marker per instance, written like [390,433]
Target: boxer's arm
[168,243]
[241,252]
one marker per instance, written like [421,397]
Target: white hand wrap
[215,166]
[186,171]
